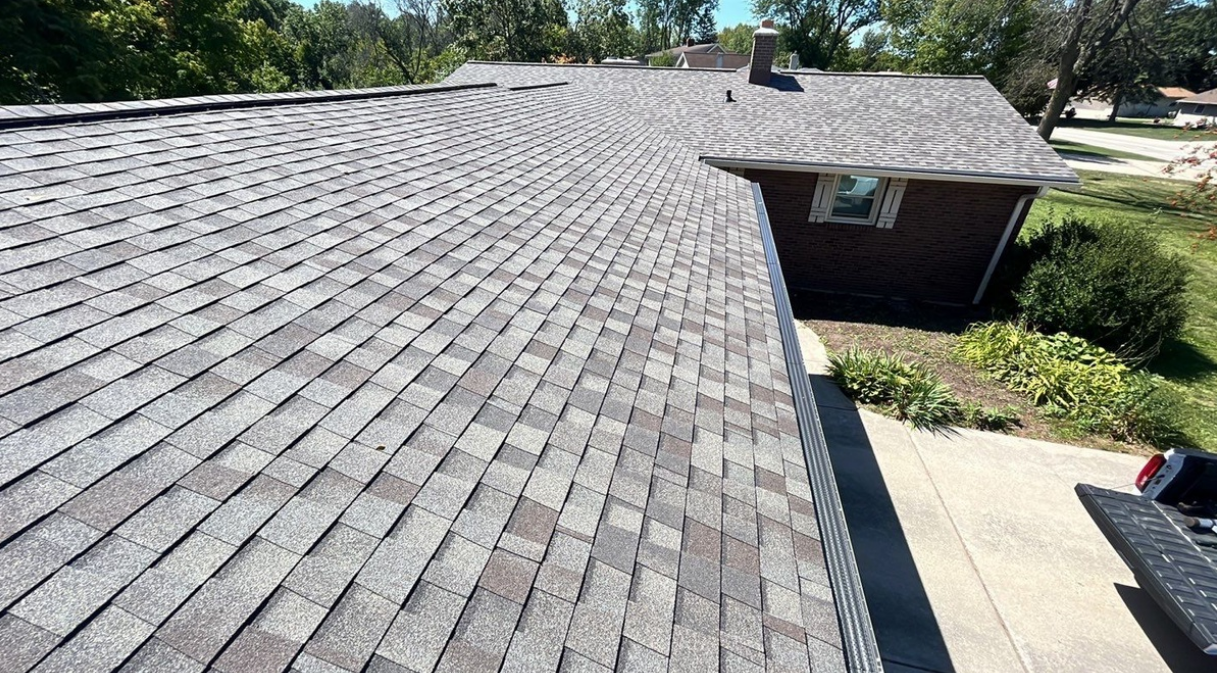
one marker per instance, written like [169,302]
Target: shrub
[1113,285]
[907,390]
[1074,380]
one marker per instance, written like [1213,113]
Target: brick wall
[938,250]
[764,48]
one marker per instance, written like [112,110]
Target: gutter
[917,173]
[1019,209]
[853,617]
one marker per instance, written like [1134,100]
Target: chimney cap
[766,28]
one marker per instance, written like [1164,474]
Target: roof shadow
[905,626]
[784,83]
[1178,652]
[1088,157]
[812,305]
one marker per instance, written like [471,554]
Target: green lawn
[1142,128]
[1067,147]
[1190,364]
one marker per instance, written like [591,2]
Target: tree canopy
[101,50]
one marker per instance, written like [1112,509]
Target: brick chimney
[764,46]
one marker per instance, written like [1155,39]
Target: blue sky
[730,12]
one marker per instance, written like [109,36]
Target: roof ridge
[25,116]
[641,66]
[613,66]
[908,75]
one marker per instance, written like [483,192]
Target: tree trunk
[1066,75]
[1073,52]
[1115,105]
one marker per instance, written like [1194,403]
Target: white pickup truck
[1162,535]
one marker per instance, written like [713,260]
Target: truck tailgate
[1161,552]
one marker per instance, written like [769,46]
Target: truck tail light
[1151,468]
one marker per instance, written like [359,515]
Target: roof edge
[613,66]
[25,116]
[853,616]
[1026,180]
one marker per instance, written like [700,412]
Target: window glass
[855,197]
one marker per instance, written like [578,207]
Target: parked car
[1165,535]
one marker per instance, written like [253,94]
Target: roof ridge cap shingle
[24,116]
[605,66]
[906,75]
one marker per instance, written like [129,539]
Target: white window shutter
[891,202]
[821,201]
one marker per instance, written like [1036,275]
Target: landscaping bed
[1089,405]
[928,334]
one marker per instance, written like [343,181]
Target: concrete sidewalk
[976,556]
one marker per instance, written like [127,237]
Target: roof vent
[690,42]
[729,98]
[764,46]
[794,61]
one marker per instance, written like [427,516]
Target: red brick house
[875,183]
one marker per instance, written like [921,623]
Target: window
[855,199]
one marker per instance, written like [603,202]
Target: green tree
[603,29]
[1089,27]
[817,30]
[1191,45]
[664,24]
[512,30]
[962,37]
[73,51]
[872,54]
[737,38]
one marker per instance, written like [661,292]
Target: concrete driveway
[1162,150]
[975,554]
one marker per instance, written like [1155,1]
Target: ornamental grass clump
[909,391]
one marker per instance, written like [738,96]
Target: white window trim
[876,202]
[888,196]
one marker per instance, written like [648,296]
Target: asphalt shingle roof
[436,381]
[1209,96]
[920,124]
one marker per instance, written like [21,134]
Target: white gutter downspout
[1019,207]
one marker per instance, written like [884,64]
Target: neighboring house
[411,379]
[1163,106]
[875,184]
[1198,109]
[720,59]
[689,47]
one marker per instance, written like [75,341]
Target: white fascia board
[946,176]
